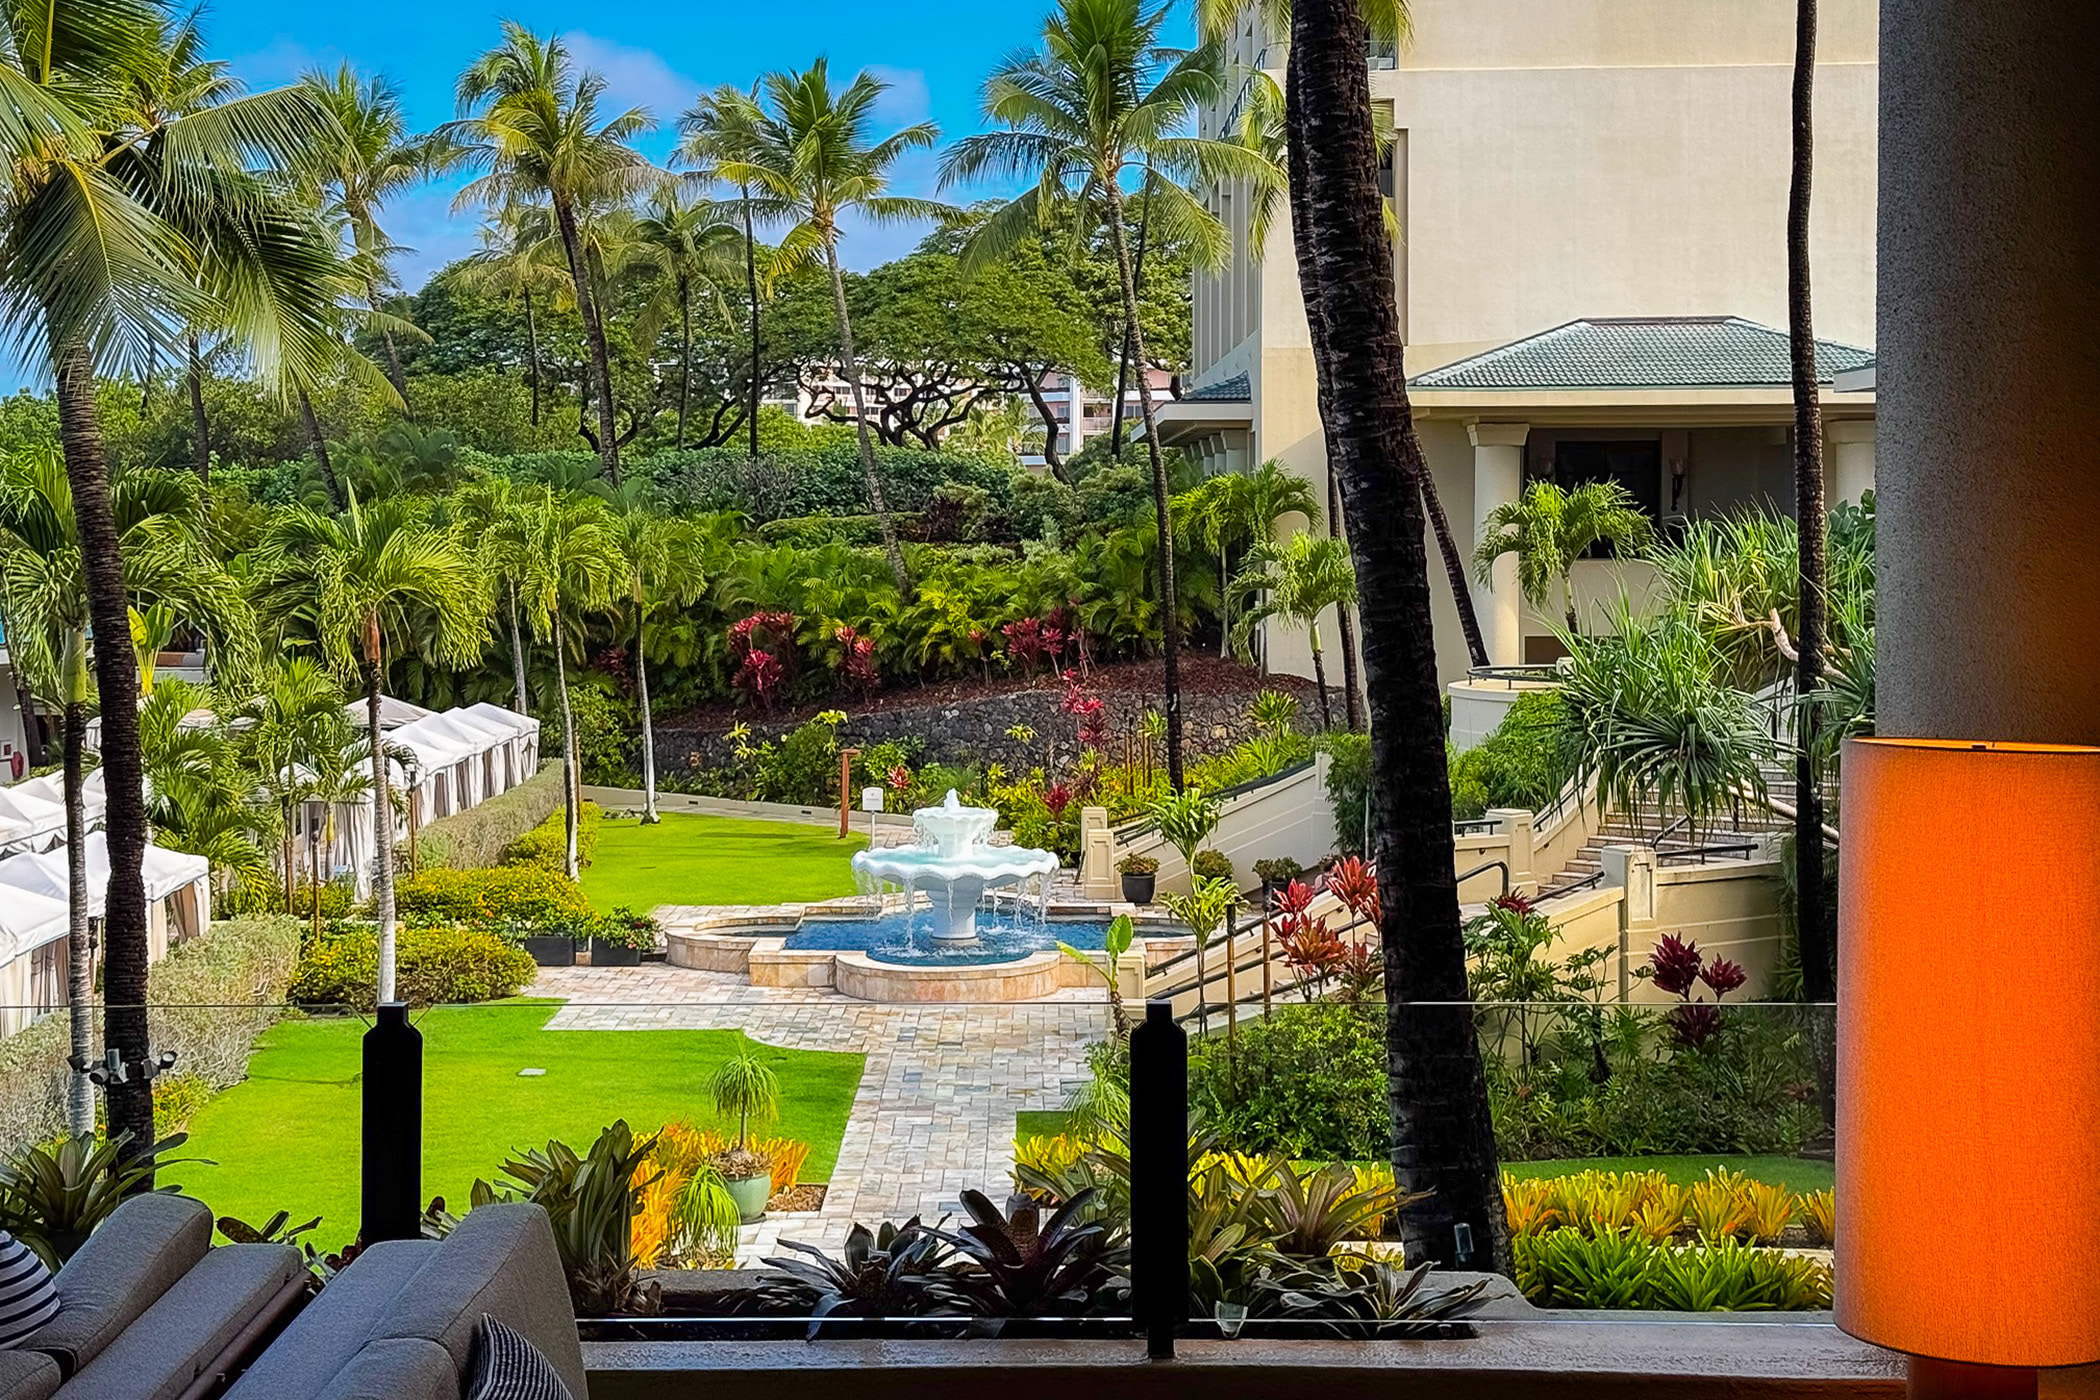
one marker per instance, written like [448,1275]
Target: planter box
[549,950]
[605,954]
[1137,889]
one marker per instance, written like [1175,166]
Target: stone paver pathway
[937,1102]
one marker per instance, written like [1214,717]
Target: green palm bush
[745,1085]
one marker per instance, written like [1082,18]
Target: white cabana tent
[33,931]
[27,817]
[446,763]
[393,713]
[94,794]
[522,745]
[483,742]
[178,886]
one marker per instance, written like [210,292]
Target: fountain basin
[953,867]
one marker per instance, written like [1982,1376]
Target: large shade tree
[1103,101]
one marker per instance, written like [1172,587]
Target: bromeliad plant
[53,1196]
[896,1271]
[1027,1266]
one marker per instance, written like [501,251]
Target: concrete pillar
[1520,827]
[1498,479]
[1850,442]
[1988,584]
[1097,855]
[1632,869]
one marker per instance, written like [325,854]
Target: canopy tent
[29,920]
[393,713]
[522,737]
[94,793]
[484,742]
[33,928]
[447,763]
[178,886]
[26,816]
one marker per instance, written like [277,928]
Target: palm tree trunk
[1443,1142]
[600,383]
[1129,353]
[313,865]
[1320,675]
[1454,570]
[290,861]
[1169,602]
[80,948]
[126,952]
[650,815]
[849,365]
[200,426]
[313,431]
[517,650]
[685,356]
[393,355]
[382,815]
[569,774]
[532,354]
[751,289]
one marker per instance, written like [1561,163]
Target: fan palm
[808,157]
[530,121]
[363,583]
[658,571]
[1297,581]
[694,250]
[573,564]
[44,581]
[1548,528]
[1104,97]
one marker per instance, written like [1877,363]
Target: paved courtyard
[936,1108]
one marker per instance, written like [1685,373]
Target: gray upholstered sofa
[149,1311]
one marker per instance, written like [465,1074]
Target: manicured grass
[287,1136]
[1039,1122]
[1794,1173]
[687,859]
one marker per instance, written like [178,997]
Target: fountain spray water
[954,866]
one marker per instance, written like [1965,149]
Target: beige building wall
[1559,159]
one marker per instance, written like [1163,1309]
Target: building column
[1851,442]
[1498,480]
[1988,585]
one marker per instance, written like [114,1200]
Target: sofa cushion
[190,1327]
[27,1299]
[402,1368]
[27,1375]
[500,1261]
[321,1340]
[142,1248]
[508,1367]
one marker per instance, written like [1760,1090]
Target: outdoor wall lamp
[114,1069]
[1969,1058]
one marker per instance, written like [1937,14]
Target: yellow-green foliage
[478,836]
[1726,1205]
[1530,1204]
[1819,1215]
[527,895]
[547,845]
[1049,1153]
[1719,1208]
[1569,1269]
[439,965]
[1771,1210]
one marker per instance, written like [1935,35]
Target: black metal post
[393,1128]
[1159,1177]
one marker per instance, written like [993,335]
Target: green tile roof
[1658,352]
[1237,389]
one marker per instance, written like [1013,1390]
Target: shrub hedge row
[438,965]
[478,837]
[508,894]
[546,846]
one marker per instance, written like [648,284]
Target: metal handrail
[1590,881]
[1543,674]
[1501,865]
[1473,825]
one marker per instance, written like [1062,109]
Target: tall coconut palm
[1549,527]
[659,571]
[43,578]
[529,121]
[1103,98]
[376,158]
[694,250]
[573,564]
[807,155]
[709,133]
[1297,581]
[1443,1140]
[362,583]
[1817,946]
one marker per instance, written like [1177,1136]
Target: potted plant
[1140,874]
[747,1087]
[551,945]
[1276,873]
[1212,865]
[620,939]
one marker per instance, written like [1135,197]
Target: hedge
[477,837]
[438,966]
[546,846]
[212,996]
[509,894]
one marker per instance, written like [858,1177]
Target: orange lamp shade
[1968,1163]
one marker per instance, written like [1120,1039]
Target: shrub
[1137,865]
[1348,787]
[1212,865]
[546,846]
[479,836]
[442,965]
[507,894]
[1568,1268]
[803,768]
[212,996]
[605,725]
[1306,1081]
[1524,763]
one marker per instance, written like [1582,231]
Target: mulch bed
[804,1197]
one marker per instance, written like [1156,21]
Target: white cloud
[634,77]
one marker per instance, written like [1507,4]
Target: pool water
[902,939]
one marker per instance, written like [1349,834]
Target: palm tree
[362,584]
[709,129]
[376,158]
[1297,581]
[1237,511]
[513,260]
[43,579]
[1102,98]
[200,794]
[806,153]
[492,512]
[693,249]
[659,570]
[292,719]
[572,565]
[1443,1139]
[1548,528]
[529,120]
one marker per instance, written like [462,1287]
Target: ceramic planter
[1137,889]
[751,1194]
[605,954]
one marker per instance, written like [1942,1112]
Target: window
[1637,466]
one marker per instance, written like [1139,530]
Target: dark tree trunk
[751,290]
[850,367]
[1052,458]
[599,382]
[200,426]
[1320,684]
[1443,1141]
[1169,602]
[125,951]
[532,355]
[1454,570]
[320,442]
[1128,356]
[685,356]
[393,355]
[80,943]
[1345,621]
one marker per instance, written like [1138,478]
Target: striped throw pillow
[508,1367]
[27,1299]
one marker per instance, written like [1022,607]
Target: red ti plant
[1057,797]
[857,661]
[1311,950]
[899,779]
[1678,967]
[1294,898]
[1088,708]
[762,648]
[1354,881]
[1024,643]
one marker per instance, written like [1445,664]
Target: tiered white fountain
[953,865]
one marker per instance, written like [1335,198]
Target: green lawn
[287,1136]
[1794,1173]
[687,859]
[1039,1122]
